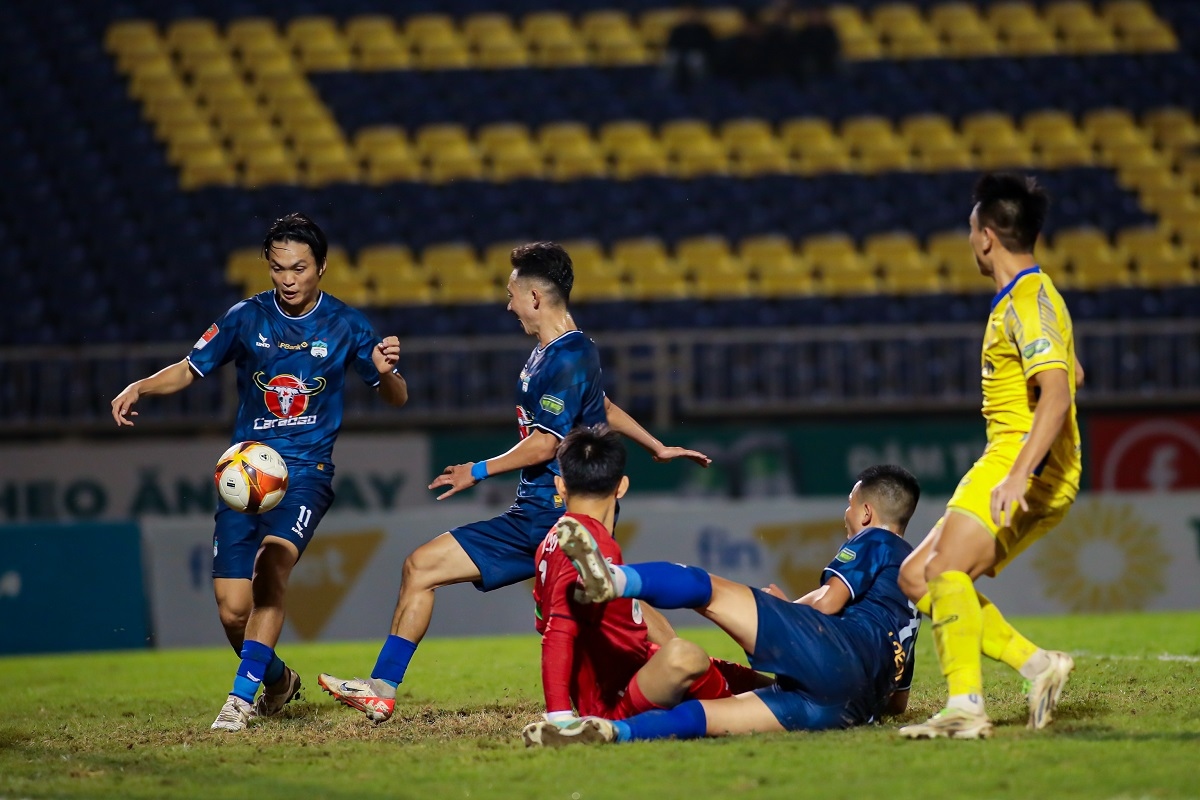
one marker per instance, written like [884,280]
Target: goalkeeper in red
[597,660]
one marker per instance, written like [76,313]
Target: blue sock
[393,660]
[274,670]
[684,721]
[666,585]
[256,657]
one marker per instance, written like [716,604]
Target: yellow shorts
[1048,502]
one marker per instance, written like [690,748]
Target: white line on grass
[1160,657]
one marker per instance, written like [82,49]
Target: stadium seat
[1091,261]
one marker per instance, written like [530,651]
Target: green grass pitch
[133,725]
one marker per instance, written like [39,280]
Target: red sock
[709,686]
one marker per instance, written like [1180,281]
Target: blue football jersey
[291,371]
[560,388]
[880,621]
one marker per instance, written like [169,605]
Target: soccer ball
[251,477]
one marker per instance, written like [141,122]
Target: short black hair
[892,490]
[296,227]
[549,263]
[592,461]
[1014,206]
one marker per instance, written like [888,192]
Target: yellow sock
[958,632]
[1001,641]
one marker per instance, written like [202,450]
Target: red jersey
[589,652]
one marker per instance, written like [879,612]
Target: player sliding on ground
[560,388]
[598,660]
[842,655]
[1022,485]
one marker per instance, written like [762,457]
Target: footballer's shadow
[1068,714]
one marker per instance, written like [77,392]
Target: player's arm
[536,448]
[627,426]
[1079,373]
[558,641]
[830,598]
[168,380]
[392,386]
[1054,404]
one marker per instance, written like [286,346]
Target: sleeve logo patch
[207,336]
[1033,348]
[846,555]
[552,404]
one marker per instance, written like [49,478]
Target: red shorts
[709,688]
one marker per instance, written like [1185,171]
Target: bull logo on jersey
[286,395]
[524,420]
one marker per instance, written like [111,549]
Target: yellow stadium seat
[1171,199]
[797,283]
[129,33]
[888,157]
[556,136]
[829,247]
[547,26]
[586,162]
[681,133]
[827,157]
[377,43]
[723,284]
[658,286]
[497,260]
[325,57]
[446,166]
[621,53]
[747,131]
[1093,263]
[725,21]
[402,290]
[186,140]
[483,26]
[1165,268]
[768,253]
[698,253]
[430,27]
[1158,38]
[440,136]
[879,247]
[944,157]
[921,43]
[865,132]
[701,159]
[268,167]
[1090,41]
[967,280]
[251,138]
[625,134]
[206,167]
[761,158]
[501,136]
[307,29]
[925,130]
[1004,156]
[801,133]
[1148,176]
[655,25]
[600,289]
[381,260]
[560,53]
[441,54]
[370,27]
[1063,155]
[329,165]
[641,255]
[135,55]
[839,279]
[191,33]
[509,54]
[1101,123]
[605,25]
[647,160]
[373,137]
[588,259]
[509,165]
[950,251]
[989,128]
[447,259]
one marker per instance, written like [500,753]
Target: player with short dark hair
[598,660]
[842,655]
[292,347]
[560,388]
[1022,485]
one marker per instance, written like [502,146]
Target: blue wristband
[479,471]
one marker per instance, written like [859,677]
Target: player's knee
[234,616]
[686,659]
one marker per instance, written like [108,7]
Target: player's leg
[235,600]
[442,561]
[677,670]
[661,584]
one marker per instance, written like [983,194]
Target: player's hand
[1006,497]
[457,477]
[666,454]
[386,354]
[122,405]
[775,591]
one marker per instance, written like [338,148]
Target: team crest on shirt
[552,404]
[319,349]
[1033,348]
[286,396]
[846,555]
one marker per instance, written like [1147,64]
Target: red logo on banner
[1139,453]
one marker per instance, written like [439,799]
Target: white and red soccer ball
[251,477]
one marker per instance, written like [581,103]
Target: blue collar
[1004,292]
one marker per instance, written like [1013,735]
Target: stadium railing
[665,376]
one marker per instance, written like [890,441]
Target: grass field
[136,725]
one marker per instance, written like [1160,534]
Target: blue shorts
[503,547]
[821,681]
[238,536]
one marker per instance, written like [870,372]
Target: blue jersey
[290,371]
[879,620]
[560,388]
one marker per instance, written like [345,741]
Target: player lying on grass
[597,660]
[842,655]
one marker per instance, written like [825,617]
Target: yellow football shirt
[1030,331]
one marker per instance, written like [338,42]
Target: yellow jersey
[1030,331]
